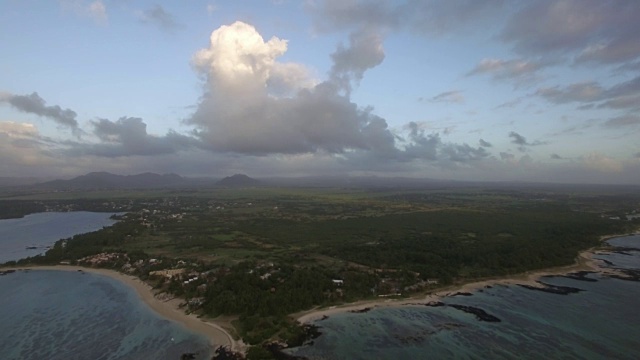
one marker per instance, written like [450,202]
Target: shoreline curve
[584,262]
[170,309]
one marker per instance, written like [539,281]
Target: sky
[493,90]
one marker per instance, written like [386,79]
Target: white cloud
[602,163]
[96,10]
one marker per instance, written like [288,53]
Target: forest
[261,255]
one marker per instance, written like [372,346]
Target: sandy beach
[217,335]
[584,262]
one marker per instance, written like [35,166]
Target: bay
[60,315]
[77,315]
[41,230]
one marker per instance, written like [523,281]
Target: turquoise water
[44,229]
[72,315]
[601,321]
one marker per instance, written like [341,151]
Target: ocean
[77,315]
[597,318]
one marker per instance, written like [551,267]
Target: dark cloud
[160,18]
[438,17]
[127,137]
[623,121]
[428,17]
[579,92]
[589,30]
[556,157]
[364,52]
[484,143]
[34,104]
[522,142]
[507,156]
[431,147]
[625,95]
[331,15]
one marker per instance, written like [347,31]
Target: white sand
[584,262]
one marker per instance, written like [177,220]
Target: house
[338,282]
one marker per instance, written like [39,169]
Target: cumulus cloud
[34,104]
[238,112]
[522,142]
[159,17]
[602,163]
[128,136]
[484,143]
[590,30]
[22,148]
[364,52]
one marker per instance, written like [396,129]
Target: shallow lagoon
[599,322]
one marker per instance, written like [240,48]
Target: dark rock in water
[479,313]
[448,326]
[580,276]
[435,304]
[275,348]
[462,294]
[188,356]
[629,275]
[360,311]
[6,272]
[324,317]
[552,289]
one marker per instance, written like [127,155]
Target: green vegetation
[257,255]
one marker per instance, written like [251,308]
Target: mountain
[105,180]
[238,180]
[19,181]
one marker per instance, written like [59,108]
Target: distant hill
[238,180]
[105,180]
[19,181]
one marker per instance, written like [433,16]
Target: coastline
[584,262]
[170,309]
